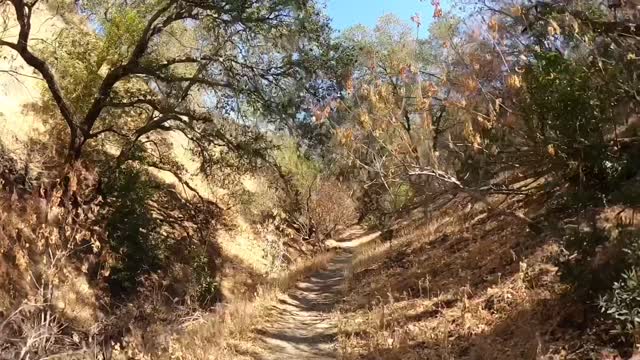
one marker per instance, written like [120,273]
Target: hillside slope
[458,282]
[86,311]
[21,89]
[20,85]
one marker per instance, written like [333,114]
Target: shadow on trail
[300,325]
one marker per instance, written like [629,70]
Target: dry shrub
[331,206]
[52,308]
[57,259]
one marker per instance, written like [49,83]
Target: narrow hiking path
[302,325]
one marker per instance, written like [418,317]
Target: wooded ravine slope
[174,172]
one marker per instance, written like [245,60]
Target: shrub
[570,114]
[623,302]
[304,171]
[205,283]
[331,206]
[592,261]
[605,266]
[402,195]
[259,200]
[152,230]
[131,229]
[323,203]
[377,204]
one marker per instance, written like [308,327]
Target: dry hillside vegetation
[196,179]
[154,239]
[468,284]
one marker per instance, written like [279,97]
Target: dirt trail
[302,325]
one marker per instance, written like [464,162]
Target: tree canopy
[204,69]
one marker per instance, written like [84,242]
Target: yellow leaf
[553,28]
[516,11]
[493,25]
[514,81]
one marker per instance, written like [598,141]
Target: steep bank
[458,282]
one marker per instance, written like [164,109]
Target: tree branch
[110,129]
[544,9]
[478,196]
[122,71]
[185,183]
[23,16]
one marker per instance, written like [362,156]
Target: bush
[151,230]
[321,202]
[302,170]
[571,115]
[259,200]
[623,302]
[592,262]
[377,204]
[331,206]
[605,266]
[132,230]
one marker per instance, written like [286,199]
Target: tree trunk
[74,152]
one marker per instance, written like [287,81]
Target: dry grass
[17,126]
[47,305]
[221,334]
[299,270]
[462,285]
[228,332]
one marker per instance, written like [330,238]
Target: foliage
[623,304]
[304,171]
[541,89]
[330,206]
[621,301]
[146,241]
[602,264]
[579,116]
[204,280]
[260,200]
[377,205]
[384,126]
[132,230]
[587,267]
[402,195]
[321,202]
[571,112]
[155,66]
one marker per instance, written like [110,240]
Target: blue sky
[345,13]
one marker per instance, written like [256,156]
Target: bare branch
[23,17]
[107,130]
[440,175]
[16,73]
[475,194]
[185,183]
